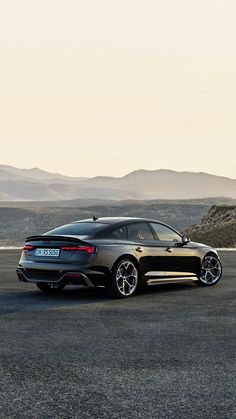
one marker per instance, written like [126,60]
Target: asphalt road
[166,353]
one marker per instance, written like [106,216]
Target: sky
[105,87]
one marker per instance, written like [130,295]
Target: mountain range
[38,185]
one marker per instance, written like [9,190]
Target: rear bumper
[54,277]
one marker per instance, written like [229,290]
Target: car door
[148,250]
[180,260]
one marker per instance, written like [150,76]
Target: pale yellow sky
[109,86]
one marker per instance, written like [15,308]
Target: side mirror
[185,240]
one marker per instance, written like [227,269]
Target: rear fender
[127,256]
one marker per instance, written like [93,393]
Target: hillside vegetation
[217,228]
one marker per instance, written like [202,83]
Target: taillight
[87,249]
[27,248]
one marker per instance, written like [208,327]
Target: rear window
[77,229]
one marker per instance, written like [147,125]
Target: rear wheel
[125,278]
[55,289]
[211,271]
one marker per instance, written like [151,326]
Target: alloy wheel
[127,278]
[211,270]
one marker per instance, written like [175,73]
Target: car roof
[115,220]
[119,221]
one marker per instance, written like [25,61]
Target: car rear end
[57,260]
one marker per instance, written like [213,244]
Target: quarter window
[120,233]
[165,233]
[139,231]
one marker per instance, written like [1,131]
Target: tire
[124,280]
[211,271]
[49,290]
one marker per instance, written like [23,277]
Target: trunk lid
[58,249]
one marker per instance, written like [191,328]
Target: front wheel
[124,280]
[211,271]
[50,290]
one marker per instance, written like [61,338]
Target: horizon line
[113,176]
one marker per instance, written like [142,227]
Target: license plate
[47,252]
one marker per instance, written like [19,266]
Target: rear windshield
[77,229]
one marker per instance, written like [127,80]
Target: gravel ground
[166,353]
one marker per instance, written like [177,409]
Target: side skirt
[155,281]
[160,277]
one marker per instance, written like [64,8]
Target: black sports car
[122,254]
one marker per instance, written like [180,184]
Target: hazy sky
[109,86]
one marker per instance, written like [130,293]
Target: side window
[120,233]
[139,231]
[165,233]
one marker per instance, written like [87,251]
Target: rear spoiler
[50,238]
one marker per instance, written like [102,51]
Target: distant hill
[93,202]
[201,219]
[19,222]
[38,185]
[217,228]
[10,173]
[168,184]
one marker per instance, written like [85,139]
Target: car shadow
[25,300]
[92,295]
[167,288]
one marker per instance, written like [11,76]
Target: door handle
[139,249]
[169,250]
